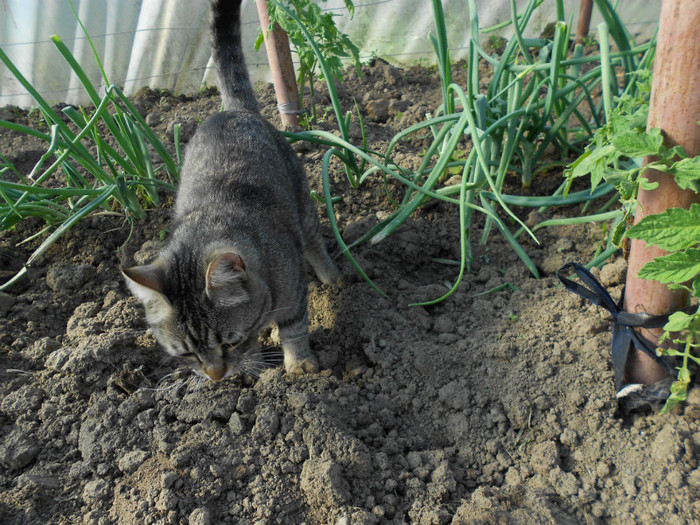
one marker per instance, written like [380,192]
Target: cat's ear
[145,280]
[224,279]
[147,283]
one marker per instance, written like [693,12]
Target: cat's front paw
[331,276]
[308,365]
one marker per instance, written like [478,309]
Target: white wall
[165,44]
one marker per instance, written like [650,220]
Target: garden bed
[485,408]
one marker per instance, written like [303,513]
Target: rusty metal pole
[584,20]
[280,59]
[675,108]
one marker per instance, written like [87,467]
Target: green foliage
[342,120]
[614,156]
[589,41]
[687,330]
[100,159]
[615,153]
[497,43]
[332,44]
[677,231]
[623,137]
[674,268]
[532,102]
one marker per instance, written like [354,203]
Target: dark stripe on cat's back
[238,199]
[248,194]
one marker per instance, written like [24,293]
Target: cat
[242,225]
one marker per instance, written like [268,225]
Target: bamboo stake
[280,58]
[675,108]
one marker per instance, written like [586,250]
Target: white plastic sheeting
[165,43]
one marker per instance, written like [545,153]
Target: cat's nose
[215,372]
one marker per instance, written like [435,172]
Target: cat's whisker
[164,378]
[257,361]
[181,376]
[161,387]
[179,384]
[251,371]
[281,308]
[171,387]
[195,382]
[258,364]
[253,368]
[253,359]
[273,358]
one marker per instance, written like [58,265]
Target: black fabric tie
[624,323]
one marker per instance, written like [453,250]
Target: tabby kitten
[243,223]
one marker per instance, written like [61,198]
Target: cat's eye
[227,348]
[233,341]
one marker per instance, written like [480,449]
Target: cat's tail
[234,83]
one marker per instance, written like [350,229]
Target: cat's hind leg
[315,250]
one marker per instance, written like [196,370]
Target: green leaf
[673,230]
[618,232]
[627,189]
[646,185]
[696,287]
[687,173]
[573,171]
[674,286]
[259,41]
[634,144]
[678,321]
[617,176]
[674,268]
[621,123]
[594,163]
[676,151]
[350,7]
[679,393]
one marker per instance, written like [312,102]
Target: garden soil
[496,405]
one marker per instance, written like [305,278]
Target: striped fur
[243,224]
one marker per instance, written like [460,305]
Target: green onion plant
[69,181]
[540,98]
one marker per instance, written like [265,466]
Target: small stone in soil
[17,451]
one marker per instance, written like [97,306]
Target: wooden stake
[584,20]
[280,58]
[675,108]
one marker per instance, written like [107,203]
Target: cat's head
[206,311]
